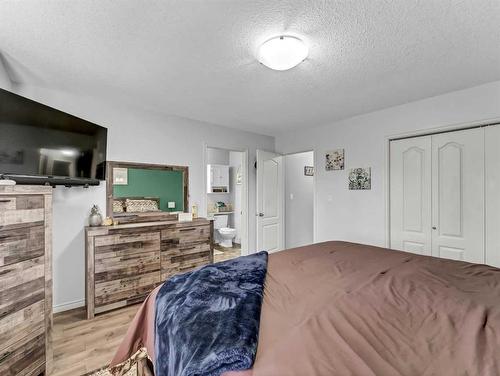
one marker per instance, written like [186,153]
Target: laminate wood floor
[223,253]
[81,345]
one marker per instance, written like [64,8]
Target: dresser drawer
[186,234]
[179,250]
[125,290]
[124,256]
[181,259]
[17,325]
[184,266]
[21,285]
[125,238]
[21,244]
[16,211]
[24,358]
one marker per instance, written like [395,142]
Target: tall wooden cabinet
[126,262]
[25,280]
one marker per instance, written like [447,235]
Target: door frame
[245,194]
[417,133]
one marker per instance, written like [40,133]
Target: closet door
[492,160]
[410,192]
[458,195]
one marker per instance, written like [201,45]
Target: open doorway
[285,200]
[299,199]
[226,198]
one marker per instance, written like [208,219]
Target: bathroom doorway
[226,187]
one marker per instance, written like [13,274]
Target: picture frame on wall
[120,176]
[309,170]
[360,178]
[335,160]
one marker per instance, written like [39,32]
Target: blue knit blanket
[207,321]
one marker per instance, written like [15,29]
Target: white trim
[68,306]
[417,133]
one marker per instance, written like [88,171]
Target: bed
[338,308]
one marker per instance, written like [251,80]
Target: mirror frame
[110,165]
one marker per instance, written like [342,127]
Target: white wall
[360,215]
[299,200]
[134,135]
[217,156]
[5,82]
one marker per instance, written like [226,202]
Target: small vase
[95,218]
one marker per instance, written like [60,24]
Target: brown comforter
[340,308]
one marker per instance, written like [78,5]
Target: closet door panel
[492,190]
[410,182]
[458,195]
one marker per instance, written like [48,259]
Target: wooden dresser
[25,280]
[124,263]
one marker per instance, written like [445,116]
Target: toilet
[226,234]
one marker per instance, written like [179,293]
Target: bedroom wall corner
[134,135]
[360,216]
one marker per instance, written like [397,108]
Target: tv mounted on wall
[42,145]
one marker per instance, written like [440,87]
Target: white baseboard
[67,306]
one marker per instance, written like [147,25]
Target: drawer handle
[186,248]
[134,279]
[6,200]
[4,236]
[188,229]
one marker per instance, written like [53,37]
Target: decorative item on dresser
[124,263]
[25,280]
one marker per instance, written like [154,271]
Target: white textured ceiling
[197,58]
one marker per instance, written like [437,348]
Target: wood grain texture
[126,262]
[48,283]
[21,244]
[82,345]
[25,280]
[25,357]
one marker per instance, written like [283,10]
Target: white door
[270,201]
[458,195]
[410,190]
[492,199]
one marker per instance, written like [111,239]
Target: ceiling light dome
[282,52]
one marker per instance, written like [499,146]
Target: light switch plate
[171,204]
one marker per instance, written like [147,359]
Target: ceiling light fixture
[283,52]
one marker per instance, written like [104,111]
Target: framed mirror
[138,192]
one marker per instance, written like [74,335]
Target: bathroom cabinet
[217,178]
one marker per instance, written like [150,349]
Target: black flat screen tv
[42,145]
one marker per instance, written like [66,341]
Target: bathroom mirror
[140,191]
